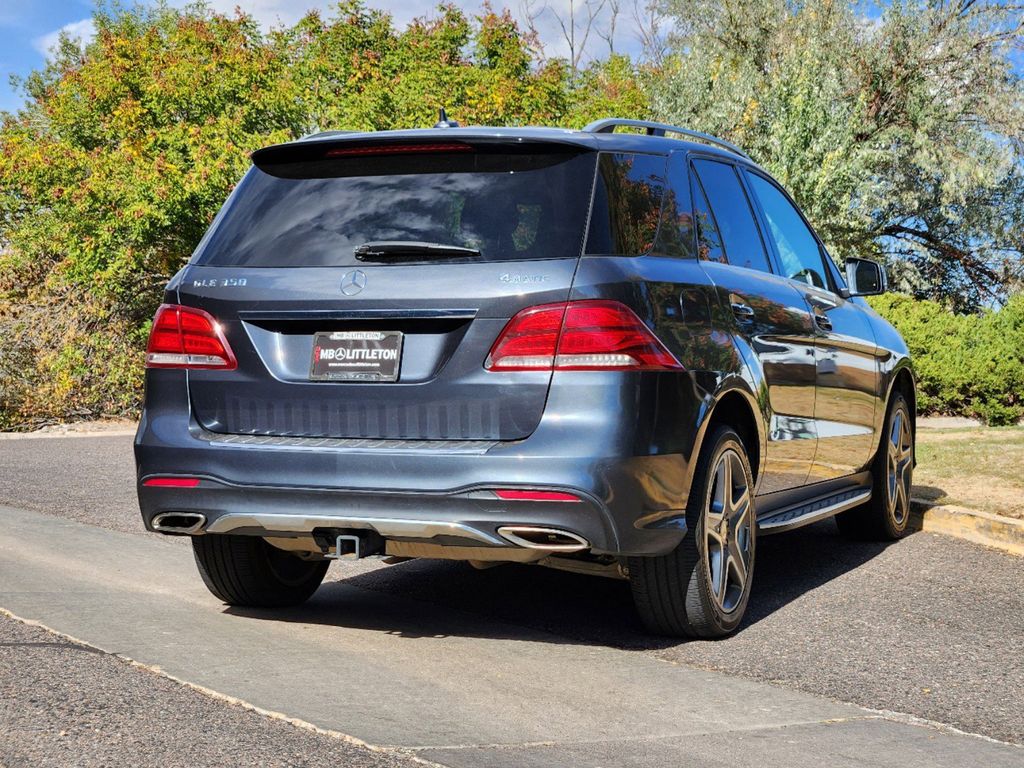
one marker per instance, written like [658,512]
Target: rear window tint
[627,204]
[316,211]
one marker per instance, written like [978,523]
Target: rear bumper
[440,492]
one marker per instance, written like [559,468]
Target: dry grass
[978,467]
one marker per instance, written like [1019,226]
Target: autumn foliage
[127,147]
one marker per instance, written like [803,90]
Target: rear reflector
[579,336]
[509,494]
[396,149]
[171,482]
[185,337]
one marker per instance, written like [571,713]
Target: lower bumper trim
[386,527]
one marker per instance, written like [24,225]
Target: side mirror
[864,277]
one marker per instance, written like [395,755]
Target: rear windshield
[314,212]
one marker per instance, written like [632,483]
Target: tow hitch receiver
[350,544]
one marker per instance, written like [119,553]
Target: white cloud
[274,13]
[82,30]
[269,13]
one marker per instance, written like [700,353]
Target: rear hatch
[345,325]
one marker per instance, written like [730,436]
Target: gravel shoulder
[63,704]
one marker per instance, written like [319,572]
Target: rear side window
[312,210]
[709,241]
[797,246]
[675,233]
[627,204]
[740,236]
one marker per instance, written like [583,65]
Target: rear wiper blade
[385,250]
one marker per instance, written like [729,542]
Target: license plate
[356,356]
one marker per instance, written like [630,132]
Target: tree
[900,133]
[127,147]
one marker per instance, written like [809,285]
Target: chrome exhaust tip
[539,537]
[180,523]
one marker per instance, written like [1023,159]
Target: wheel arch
[735,406]
[903,382]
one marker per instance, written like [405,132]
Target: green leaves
[900,132]
[127,148]
[965,364]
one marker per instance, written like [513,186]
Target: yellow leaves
[111,177]
[749,118]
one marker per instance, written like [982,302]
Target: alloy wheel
[900,461]
[727,532]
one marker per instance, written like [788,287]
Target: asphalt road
[932,627]
[62,703]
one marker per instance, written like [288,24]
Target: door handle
[742,311]
[822,320]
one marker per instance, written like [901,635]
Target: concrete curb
[1005,533]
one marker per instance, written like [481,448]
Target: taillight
[587,335]
[185,337]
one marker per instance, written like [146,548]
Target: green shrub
[970,365]
[127,147]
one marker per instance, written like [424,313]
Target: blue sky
[28,28]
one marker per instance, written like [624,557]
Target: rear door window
[627,204]
[311,208]
[798,249]
[733,215]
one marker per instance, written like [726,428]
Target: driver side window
[797,246]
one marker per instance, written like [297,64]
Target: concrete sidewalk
[455,688]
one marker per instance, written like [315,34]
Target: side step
[809,512]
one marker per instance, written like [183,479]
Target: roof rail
[609,124]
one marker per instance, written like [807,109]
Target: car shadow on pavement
[431,598]
[928,493]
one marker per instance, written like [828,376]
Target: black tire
[246,571]
[887,515]
[675,594]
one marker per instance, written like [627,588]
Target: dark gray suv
[616,353]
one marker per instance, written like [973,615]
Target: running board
[812,511]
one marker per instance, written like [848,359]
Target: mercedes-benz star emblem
[353,282]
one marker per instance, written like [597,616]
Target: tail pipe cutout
[179,523]
[543,538]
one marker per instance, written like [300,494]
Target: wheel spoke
[901,506]
[741,509]
[904,468]
[739,567]
[714,521]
